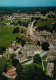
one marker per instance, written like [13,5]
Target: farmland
[6,36]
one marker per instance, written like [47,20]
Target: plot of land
[42,23]
[6,36]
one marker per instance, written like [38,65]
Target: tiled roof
[11,72]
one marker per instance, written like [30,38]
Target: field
[42,23]
[6,36]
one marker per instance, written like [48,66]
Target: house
[11,73]
[54,26]
[50,67]
[12,48]
[0,56]
[28,50]
[13,43]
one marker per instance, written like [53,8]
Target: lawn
[42,23]
[6,36]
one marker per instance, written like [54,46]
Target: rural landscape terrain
[27,43]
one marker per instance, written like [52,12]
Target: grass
[44,57]
[25,20]
[6,36]
[42,23]
[45,65]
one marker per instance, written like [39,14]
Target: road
[28,62]
[30,29]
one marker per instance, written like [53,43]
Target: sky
[27,3]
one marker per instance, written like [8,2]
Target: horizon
[26,6]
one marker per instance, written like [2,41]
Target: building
[50,67]
[11,73]
[54,26]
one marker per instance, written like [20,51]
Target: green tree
[18,39]
[5,67]
[45,46]
[2,49]
[12,56]
[19,53]
[38,43]
[15,62]
[37,59]
[30,72]
[19,70]
[23,42]
[16,30]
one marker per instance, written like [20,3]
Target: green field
[6,36]
[42,23]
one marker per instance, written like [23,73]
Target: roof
[54,22]
[11,71]
[13,47]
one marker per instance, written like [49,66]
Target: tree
[2,77]
[22,42]
[15,62]
[5,68]
[12,56]
[19,53]
[36,29]
[19,70]
[18,39]
[2,49]
[37,59]
[45,46]
[16,30]
[30,72]
[38,43]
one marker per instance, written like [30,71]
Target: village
[26,53]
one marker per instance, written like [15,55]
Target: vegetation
[12,56]
[2,49]
[5,64]
[30,72]
[6,36]
[29,57]
[37,59]
[43,23]
[38,43]
[23,42]
[45,46]
[19,53]
[16,30]
[15,62]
